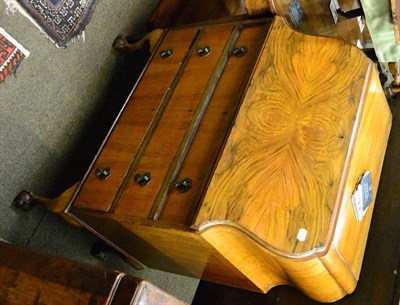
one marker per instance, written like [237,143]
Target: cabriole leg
[26,200]
[122,45]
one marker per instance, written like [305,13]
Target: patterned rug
[11,54]
[60,20]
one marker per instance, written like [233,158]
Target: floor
[53,115]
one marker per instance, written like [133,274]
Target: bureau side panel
[350,236]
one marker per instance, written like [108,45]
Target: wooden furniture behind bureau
[236,157]
[316,16]
[170,13]
[28,277]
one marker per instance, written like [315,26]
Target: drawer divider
[173,171]
[154,124]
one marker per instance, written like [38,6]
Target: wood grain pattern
[267,270]
[353,138]
[378,283]
[128,134]
[282,164]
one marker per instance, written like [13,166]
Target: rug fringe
[12,6]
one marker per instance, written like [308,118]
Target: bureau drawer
[117,154]
[206,145]
[191,132]
[173,129]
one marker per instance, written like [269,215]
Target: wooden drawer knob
[166,53]
[203,51]
[239,51]
[142,179]
[103,173]
[183,185]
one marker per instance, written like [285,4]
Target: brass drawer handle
[183,185]
[103,173]
[203,51]
[142,180]
[166,53]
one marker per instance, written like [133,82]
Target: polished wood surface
[29,277]
[379,279]
[300,125]
[291,149]
[291,164]
[371,144]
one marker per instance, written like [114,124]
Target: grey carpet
[53,115]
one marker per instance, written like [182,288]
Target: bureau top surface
[284,161]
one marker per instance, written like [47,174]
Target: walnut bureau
[247,154]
